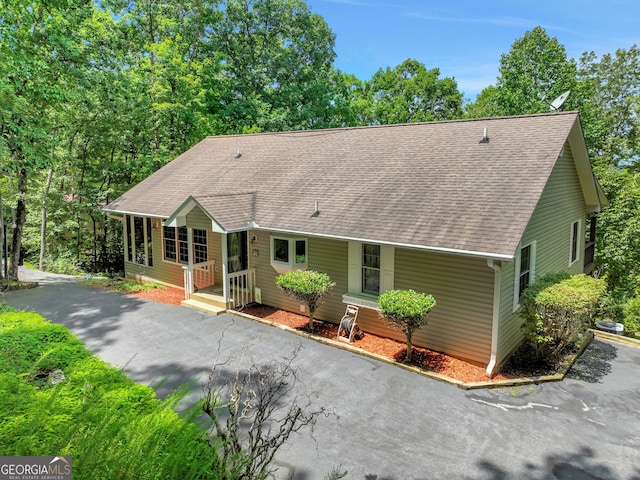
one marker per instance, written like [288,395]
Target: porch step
[209,298]
[203,306]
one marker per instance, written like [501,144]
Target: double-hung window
[370,273]
[175,242]
[525,270]
[371,269]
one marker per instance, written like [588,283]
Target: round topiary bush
[406,310]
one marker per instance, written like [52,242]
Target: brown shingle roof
[431,185]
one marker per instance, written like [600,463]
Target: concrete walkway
[390,424]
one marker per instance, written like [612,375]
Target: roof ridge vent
[485,136]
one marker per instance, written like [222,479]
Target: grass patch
[56,398]
[120,285]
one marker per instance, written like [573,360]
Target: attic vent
[485,136]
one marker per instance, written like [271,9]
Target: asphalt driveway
[390,424]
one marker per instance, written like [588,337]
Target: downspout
[497,283]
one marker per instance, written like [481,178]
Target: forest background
[97,95]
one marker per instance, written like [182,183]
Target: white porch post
[188,282]
[190,259]
[225,278]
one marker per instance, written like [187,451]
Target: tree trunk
[311,312]
[21,215]
[3,267]
[409,348]
[43,226]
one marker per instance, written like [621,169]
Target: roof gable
[227,212]
[428,185]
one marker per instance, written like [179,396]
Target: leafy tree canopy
[410,93]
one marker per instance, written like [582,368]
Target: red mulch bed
[423,358]
[168,295]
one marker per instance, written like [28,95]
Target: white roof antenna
[558,102]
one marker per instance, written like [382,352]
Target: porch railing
[589,253]
[198,276]
[240,287]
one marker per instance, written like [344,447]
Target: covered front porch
[202,293]
[217,274]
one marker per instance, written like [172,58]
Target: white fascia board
[452,251]
[137,214]
[216,227]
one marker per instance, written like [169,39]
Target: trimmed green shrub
[307,286]
[555,309]
[406,310]
[631,315]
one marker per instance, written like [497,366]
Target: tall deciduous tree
[41,54]
[276,59]
[533,73]
[411,93]
[611,112]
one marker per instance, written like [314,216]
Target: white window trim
[190,245]
[577,241]
[283,267]
[177,244]
[387,262]
[532,272]
[131,241]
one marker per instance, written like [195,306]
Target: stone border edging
[557,377]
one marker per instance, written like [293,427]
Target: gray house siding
[561,204]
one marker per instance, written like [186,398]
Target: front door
[237,259]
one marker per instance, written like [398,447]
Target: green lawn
[110,426]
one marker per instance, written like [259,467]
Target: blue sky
[465,38]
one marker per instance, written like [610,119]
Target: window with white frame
[371,272]
[288,253]
[574,244]
[199,246]
[525,271]
[175,242]
[138,236]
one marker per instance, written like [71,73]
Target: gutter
[497,282]
[466,253]
[490,256]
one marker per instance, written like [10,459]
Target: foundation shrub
[307,286]
[555,309]
[631,315]
[406,311]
